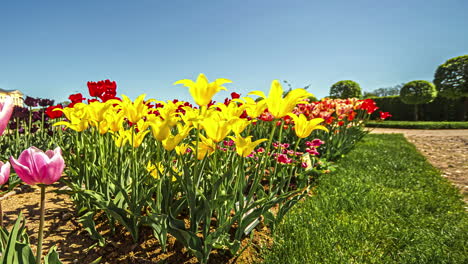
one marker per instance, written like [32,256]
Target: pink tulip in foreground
[4,172]
[6,109]
[36,167]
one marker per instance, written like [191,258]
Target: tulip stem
[41,226]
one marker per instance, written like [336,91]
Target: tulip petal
[23,172]
[26,159]
[222,81]
[54,169]
[258,93]
[4,172]
[6,109]
[37,167]
[276,92]
[185,82]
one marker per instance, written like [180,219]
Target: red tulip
[94,89]
[105,90]
[235,95]
[384,115]
[54,114]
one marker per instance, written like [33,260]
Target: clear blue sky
[52,48]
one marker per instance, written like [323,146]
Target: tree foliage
[345,89]
[451,78]
[418,92]
[387,91]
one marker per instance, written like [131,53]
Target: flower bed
[206,175]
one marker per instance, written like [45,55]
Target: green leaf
[87,220]
[52,257]
[3,238]
[24,254]
[122,216]
[158,222]
[10,250]
[188,239]
[96,261]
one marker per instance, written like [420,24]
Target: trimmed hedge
[441,109]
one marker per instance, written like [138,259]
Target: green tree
[345,89]
[369,95]
[451,80]
[386,91]
[418,92]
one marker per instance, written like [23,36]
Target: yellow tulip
[142,125]
[182,149]
[137,138]
[245,146]
[133,111]
[203,91]
[114,120]
[206,147]
[253,109]
[97,111]
[168,111]
[77,126]
[192,116]
[121,138]
[279,106]
[160,130]
[239,124]
[304,127]
[216,127]
[172,141]
[158,170]
[229,111]
[103,127]
[134,139]
[155,170]
[78,117]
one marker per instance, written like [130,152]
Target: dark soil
[75,245]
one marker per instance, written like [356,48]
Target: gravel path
[446,149]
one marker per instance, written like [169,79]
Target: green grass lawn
[419,124]
[384,204]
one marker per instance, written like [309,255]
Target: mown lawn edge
[384,204]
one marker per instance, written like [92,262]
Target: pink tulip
[4,172]
[36,167]
[6,109]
